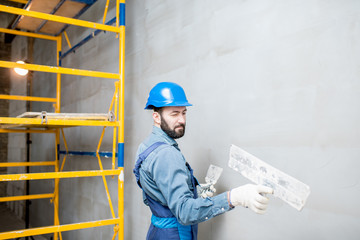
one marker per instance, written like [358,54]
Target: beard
[172,132]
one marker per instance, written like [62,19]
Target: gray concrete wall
[6,76]
[277,78]
[5,54]
[17,141]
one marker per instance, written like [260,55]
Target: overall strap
[194,181]
[142,157]
[194,228]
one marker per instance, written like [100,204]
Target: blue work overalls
[164,224]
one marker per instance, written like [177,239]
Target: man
[167,181]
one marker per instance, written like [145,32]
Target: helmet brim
[151,106]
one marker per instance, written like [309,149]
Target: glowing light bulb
[21,71]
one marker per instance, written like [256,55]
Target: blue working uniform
[169,189]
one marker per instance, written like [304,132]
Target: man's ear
[157,118]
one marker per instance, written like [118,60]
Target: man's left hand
[205,190]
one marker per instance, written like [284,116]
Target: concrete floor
[9,222]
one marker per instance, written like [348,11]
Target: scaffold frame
[55,125]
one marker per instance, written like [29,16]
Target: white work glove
[251,196]
[205,190]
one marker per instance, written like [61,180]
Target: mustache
[180,125]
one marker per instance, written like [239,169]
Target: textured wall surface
[17,141]
[279,79]
[5,54]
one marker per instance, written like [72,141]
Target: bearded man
[169,186]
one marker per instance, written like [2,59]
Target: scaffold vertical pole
[58,75]
[121,116]
[116,99]
[56,188]
[57,138]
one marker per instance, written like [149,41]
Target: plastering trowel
[287,188]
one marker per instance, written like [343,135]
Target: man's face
[173,121]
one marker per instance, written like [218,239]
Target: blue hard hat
[166,94]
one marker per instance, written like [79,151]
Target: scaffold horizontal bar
[27,98]
[19,1]
[52,69]
[55,122]
[27,164]
[26,131]
[27,34]
[83,153]
[26,197]
[53,175]
[60,228]
[60,19]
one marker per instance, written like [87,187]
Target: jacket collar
[159,132]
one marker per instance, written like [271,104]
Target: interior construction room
[269,91]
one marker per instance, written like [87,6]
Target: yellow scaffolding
[55,122]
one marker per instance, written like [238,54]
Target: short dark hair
[158,109]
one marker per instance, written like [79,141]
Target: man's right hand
[251,196]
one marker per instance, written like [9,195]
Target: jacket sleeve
[171,176]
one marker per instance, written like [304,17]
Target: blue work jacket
[165,178]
